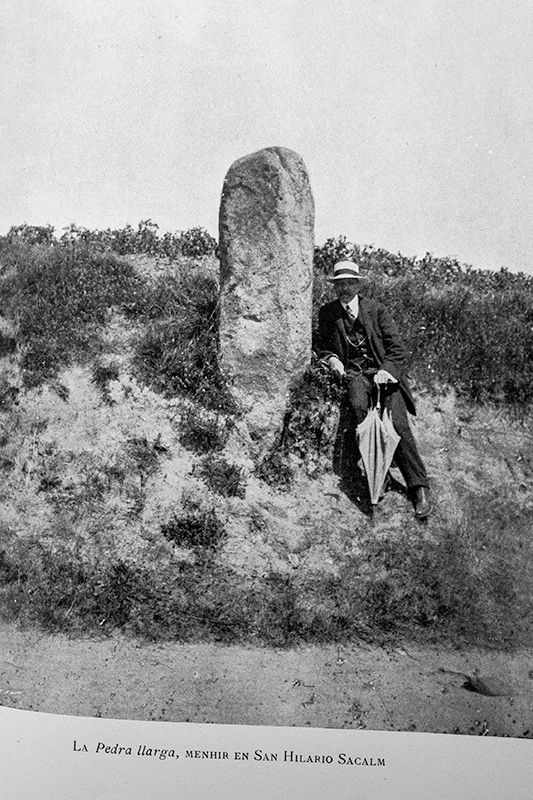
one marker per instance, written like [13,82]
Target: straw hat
[346,269]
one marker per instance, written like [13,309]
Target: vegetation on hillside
[469,328]
[465,328]
[60,293]
[450,587]
[177,351]
[145,238]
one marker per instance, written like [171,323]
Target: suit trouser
[407,457]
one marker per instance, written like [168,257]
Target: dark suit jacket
[383,337]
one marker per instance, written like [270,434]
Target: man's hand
[336,366]
[382,376]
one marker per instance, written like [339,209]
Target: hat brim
[346,276]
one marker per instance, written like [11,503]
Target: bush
[307,423]
[308,429]
[221,477]
[193,243]
[59,592]
[203,434]
[479,341]
[177,353]
[197,242]
[372,261]
[31,234]
[275,470]
[331,251]
[197,528]
[61,298]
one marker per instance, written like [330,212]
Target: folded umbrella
[377,442]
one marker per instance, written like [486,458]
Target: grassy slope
[125,508]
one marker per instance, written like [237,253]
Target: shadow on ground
[346,458]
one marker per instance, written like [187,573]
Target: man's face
[346,289]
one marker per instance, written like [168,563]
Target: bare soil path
[349,686]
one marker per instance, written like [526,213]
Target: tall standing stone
[266,242]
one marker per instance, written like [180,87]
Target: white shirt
[353,305]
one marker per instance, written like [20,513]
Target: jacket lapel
[340,332]
[339,317]
[363,317]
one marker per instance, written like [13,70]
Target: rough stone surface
[266,256]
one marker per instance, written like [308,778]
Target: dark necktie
[351,316]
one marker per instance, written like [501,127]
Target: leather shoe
[422,502]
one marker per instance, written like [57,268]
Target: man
[361,344]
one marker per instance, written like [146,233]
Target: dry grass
[124,503]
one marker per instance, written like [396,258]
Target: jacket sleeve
[395,353]
[328,346]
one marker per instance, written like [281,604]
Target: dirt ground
[354,686]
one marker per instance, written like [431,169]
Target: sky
[414,117]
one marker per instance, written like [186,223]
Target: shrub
[196,242]
[31,234]
[144,456]
[275,470]
[307,423]
[331,251]
[480,342]
[202,433]
[123,241]
[61,298]
[177,353]
[308,429]
[222,477]
[371,260]
[192,243]
[59,592]
[197,528]
[173,361]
